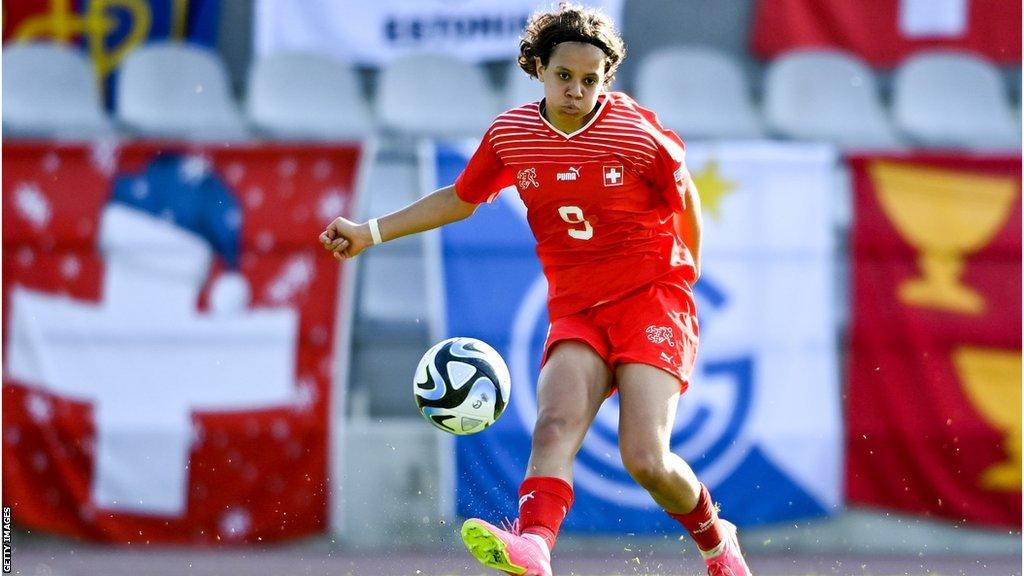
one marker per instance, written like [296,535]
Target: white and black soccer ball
[462,385]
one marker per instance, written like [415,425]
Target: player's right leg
[573,383]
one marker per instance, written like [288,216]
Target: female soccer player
[618,228]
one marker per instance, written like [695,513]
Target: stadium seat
[393,273]
[1012,74]
[698,92]
[826,95]
[651,25]
[49,91]
[300,96]
[436,95]
[954,99]
[392,308]
[520,88]
[181,91]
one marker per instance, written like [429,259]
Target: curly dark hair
[570,23]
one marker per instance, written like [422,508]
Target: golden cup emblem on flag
[992,381]
[945,215]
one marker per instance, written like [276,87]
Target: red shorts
[654,325]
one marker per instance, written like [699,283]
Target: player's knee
[647,467]
[555,431]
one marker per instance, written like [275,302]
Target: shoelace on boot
[512,526]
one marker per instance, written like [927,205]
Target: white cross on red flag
[613,175]
[168,362]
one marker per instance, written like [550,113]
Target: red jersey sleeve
[670,174]
[484,176]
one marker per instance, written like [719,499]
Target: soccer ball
[461,385]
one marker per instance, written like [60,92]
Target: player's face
[573,79]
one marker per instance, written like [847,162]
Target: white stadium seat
[698,92]
[954,99]
[302,96]
[49,90]
[520,88]
[827,95]
[172,90]
[436,95]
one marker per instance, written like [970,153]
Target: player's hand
[344,238]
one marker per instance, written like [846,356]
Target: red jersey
[599,201]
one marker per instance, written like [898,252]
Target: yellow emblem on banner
[946,215]
[63,24]
[992,380]
[712,187]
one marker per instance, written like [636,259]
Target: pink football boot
[506,550]
[726,559]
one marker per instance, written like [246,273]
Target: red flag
[74,450]
[933,405]
[884,32]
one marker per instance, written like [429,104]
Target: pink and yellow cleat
[506,550]
[726,559]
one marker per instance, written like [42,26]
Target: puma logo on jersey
[524,498]
[572,174]
[666,358]
[660,334]
[527,178]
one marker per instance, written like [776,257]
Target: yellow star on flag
[712,188]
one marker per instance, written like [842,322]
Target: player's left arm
[688,222]
[680,189]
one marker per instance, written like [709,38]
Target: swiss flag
[101,440]
[885,32]
[613,174]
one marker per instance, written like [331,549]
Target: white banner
[373,33]
[767,294]
[760,424]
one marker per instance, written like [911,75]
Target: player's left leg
[648,398]
[647,406]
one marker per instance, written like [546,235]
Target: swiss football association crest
[613,174]
[660,334]
[527,177]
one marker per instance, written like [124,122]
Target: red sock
[543,504]
[702,522]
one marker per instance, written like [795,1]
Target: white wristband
[375,231]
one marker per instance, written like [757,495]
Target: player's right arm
[484,176]
[346,239]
